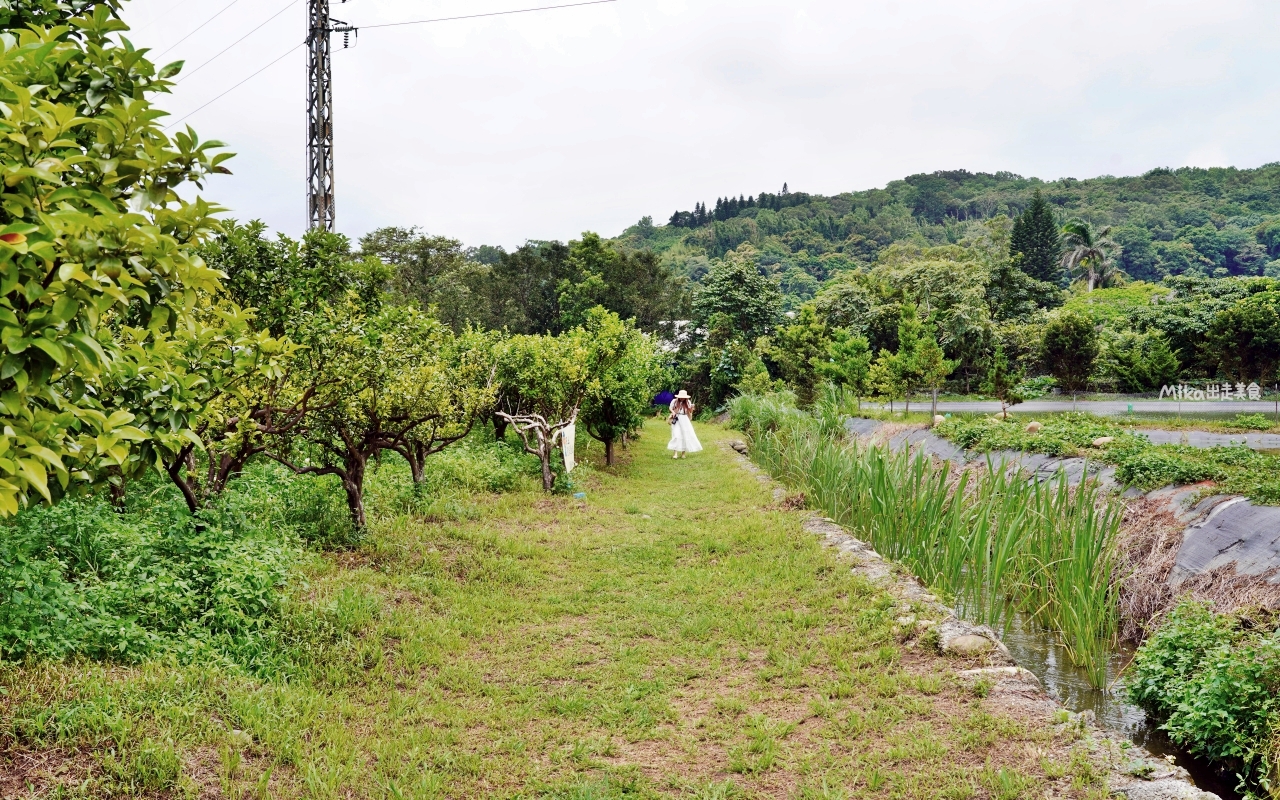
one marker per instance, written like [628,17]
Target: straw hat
[683,395]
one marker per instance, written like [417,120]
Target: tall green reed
[993,540]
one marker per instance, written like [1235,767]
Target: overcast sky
[545,125]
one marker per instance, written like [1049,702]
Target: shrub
[1035,388]
[1212,680]
[1152,467]
[82,578]
[1250,422]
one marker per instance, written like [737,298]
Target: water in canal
[1038,650]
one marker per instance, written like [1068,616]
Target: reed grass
[989,538]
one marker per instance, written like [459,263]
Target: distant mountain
[1213,222]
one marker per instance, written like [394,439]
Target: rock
[741,447]
[1103,441]
[956,637]
[1033,427]
[938,419]
[969,645]
[1167,789]
[1004,673]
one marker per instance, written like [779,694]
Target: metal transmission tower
[320,201]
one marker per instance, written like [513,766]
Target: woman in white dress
[683,439]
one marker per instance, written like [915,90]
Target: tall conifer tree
[1036,238]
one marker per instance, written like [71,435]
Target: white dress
[683,439]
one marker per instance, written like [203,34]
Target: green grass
[1235,469]
[673,636]
[990,539]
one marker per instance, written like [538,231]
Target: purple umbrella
[664,399]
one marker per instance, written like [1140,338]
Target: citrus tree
[94,236]
[375,378]
[447,391]
[546,379]
[625,380]
[206,395]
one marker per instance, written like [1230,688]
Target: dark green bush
[1212,681]
[81,578]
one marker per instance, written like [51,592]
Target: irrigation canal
[1038,650]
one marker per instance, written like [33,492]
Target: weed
[1053,770]
[1007,784]
[876,779]
[1210,679]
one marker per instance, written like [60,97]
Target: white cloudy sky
[545,125]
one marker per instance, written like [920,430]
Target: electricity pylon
[320,199]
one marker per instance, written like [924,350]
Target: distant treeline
[729,207]
[1215,222]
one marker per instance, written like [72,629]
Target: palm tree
[1090,255]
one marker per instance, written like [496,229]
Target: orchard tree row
[141,333]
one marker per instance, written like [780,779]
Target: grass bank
[990,540]
[675,635]
[1235,470]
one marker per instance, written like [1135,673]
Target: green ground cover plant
[146,579]
[1211,680]
[1234,469]
[675,635]
[989,539]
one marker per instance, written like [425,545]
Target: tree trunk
[499,428]
[183,482]
[353,483]
[118,494]
[548,477]
[417,464]
[906,400]
[608,452]
[933,416]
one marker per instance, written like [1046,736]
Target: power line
[198,28]
[490,14]
[291,4]
[160,16]
[237,86]
[383,25]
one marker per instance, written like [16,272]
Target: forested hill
[1211,222]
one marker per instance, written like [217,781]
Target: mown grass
[672,636]
[990,539]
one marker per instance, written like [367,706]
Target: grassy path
[672,636]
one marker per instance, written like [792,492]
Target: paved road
[1102,406]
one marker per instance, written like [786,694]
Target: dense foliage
[93,237]
[1211,222]
[1212,682]
[1166,265]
